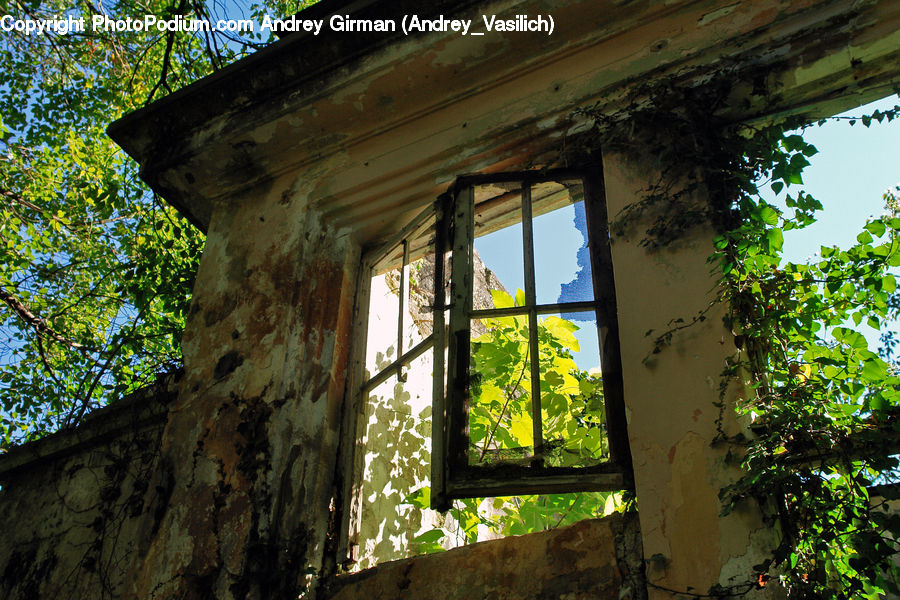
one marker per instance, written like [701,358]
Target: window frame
[435,225]
[452,477]
[374,260]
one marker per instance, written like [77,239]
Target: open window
[514,414]
[444,395]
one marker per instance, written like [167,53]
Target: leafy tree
[95,272]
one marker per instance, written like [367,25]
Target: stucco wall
[672,404]
[72,505]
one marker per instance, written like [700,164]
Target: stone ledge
[139,410]
[595,559]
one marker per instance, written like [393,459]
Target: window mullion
[459,335]
[403,305]
[531,301]
[439,406]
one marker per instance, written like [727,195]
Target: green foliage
[821,404]
[95,273]
[500,428]
[822,407]
[500,420]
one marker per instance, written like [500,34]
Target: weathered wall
[73,505]
[253,437]
[671,400]
[597,559]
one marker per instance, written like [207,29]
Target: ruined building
[326,158]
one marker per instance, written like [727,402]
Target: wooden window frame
[445,228]
[452,476]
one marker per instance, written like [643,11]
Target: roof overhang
[374,125]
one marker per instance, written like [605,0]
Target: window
[503,422]
[448,357]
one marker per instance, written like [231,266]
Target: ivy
[822,407]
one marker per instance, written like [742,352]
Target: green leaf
[501,299]
[520,298]
[768,215]
[874,371]
[876,228]
[430,537]
[586,387]
[775,237]
[420,498]
[553,378]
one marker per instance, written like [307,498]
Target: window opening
[389,399]
[511,312]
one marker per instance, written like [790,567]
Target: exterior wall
[73,506]
[598,559]
[253,439]
[670,406]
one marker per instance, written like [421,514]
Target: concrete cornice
[370,127]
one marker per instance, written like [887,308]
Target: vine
[823,408]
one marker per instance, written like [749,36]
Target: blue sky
[849,175]
[853,168]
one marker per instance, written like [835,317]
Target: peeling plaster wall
[596,559]
[670,405]
[73,506]
[253,438]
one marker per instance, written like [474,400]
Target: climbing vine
[821,407]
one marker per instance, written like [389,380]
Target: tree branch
[34,321]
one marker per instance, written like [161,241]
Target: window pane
[500,424]
[397,456]
[498,261]
[497,265]
[421,278]
[421,294]
[571,392]
[384,310]
[562,262]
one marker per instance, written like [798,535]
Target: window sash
[351,454]
[452,476]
